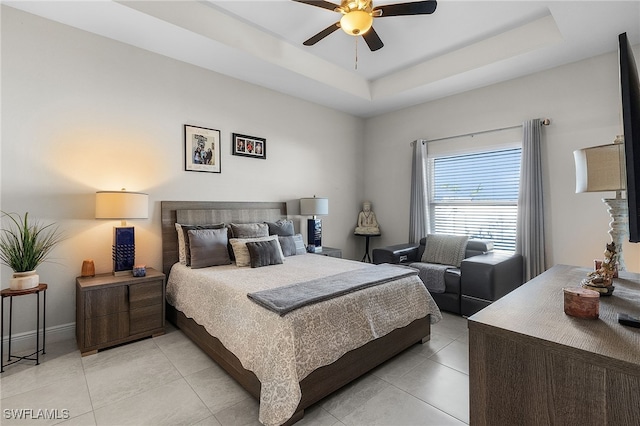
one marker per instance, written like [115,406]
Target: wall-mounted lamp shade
[314,206]
[600,168]
[122,205]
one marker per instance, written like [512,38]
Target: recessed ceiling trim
[537,34]
[222,28]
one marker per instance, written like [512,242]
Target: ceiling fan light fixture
[356,22]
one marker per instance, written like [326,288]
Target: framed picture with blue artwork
[202,149]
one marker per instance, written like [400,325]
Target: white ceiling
[462,46]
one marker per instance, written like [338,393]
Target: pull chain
[356,64]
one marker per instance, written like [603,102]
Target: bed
[294,375]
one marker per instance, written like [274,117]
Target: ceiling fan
[357,17]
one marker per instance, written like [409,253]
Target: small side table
[366,257]
[15,293]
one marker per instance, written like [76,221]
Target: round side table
[366,257]
[11,359]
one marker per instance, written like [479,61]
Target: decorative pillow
[208,247]
[264,253]
[249,230]
[300,247]
[241,252]
[183,243]
[445,249]
[292,245]
[181,250]
[282,228]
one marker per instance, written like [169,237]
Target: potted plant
[23,246]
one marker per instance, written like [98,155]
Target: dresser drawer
[145,294]
[106,301]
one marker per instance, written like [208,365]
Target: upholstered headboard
[205,212]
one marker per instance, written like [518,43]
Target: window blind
[477,195]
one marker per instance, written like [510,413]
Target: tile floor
[168,381]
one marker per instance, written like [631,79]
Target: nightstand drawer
[145,319]
[105,329]
[145,294]
[98,303]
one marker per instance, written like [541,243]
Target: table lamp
[122,205]
[314,207]
[602,168]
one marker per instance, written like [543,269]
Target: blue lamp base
[314,235]
[124,250]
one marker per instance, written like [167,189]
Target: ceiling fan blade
[323,4]
[373,40]
[402,9]
[322,34]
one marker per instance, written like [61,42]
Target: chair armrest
[491,276]
[399,253]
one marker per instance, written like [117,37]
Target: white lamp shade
[314,206]
[122,205]
[600,168]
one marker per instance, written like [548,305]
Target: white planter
[24,280]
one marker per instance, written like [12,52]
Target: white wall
[82,113]
[581,99]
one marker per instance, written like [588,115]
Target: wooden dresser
[531,364]
[111,310]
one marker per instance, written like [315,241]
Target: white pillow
[241,252]
[182,257]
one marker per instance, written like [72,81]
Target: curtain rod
[544,122]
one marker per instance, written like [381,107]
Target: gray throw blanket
[432,275]
[283,300]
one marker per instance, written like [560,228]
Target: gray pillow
[292,245]
[208,247]
[264,253]
[185,238]
[445,249]
[282,228]
[249,230]
[241,252]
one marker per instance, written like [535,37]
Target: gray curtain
[530,226]
[419,208]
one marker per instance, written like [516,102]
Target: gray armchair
[483,277]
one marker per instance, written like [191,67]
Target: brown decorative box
[581,302]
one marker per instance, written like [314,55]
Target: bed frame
[319,383]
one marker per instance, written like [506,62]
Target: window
[476,195]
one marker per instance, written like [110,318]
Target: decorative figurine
[367,223]
[139,271]
[601,280]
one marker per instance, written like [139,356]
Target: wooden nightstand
[331,252]
[111,310]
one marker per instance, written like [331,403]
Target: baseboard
[27,340]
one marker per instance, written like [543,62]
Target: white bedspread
[307,338]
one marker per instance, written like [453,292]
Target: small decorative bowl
[139,271]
